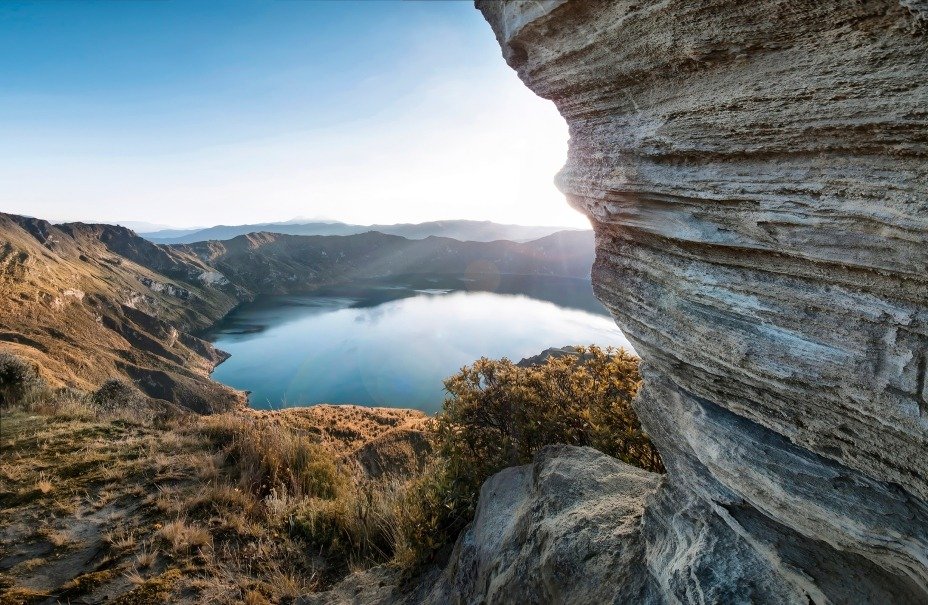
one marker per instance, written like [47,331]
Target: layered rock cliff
[757,177]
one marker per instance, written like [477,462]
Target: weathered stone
[756,175]
[564,529]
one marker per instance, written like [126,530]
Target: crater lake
[392,343]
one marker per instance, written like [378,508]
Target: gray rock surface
[544,356]
[756,175]
[564,529]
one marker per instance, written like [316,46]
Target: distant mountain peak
[459,229]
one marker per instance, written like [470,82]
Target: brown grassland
[98,506]
[102,502]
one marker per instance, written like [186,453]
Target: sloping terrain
[272,263]
[376,441]
[87,303]
[97,508]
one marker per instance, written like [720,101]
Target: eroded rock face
[757,177]
[564,529]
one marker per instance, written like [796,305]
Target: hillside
[274,263]
[477,231]
[86,303]
[90,302]
[99,508]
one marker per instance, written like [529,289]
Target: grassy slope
[372,441]
[98,507]
[85,313]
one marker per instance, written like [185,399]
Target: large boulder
[564,529]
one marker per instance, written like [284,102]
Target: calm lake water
[391,344]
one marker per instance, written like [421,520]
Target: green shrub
[18,380]
[499,414]
[117,395]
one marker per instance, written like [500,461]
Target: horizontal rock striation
[757,177]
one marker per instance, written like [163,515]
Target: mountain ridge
[460,229]
[89,302]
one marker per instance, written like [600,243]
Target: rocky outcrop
[757,177]
[544,356]
[564,529]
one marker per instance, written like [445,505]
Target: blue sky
[201,112]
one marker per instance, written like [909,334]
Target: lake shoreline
[391,342]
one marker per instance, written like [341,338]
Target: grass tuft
[182,537]
[44,484]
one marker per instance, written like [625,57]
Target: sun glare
[425,124]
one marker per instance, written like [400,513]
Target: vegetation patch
[85,583]
[260,507]
[499,414]
[18,379]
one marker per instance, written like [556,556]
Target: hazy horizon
[182,116]
[146,227]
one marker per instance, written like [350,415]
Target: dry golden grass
[253,597]
[54,537]
[31,564]
[182,537]
[208,467]
[44,484]
[135,577]
[12,470]
[103,497]
[146,557]
[343,428]
[204,509]
[270,456]
[120,539]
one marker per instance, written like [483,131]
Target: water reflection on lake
[392,343]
